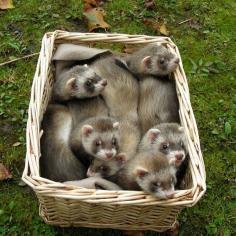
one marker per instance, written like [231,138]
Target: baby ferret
[150,172]
[106,169]
[153,59]
[147,171]
[158,101]
[57,161]
[169,139]
[97,137]
[78,82]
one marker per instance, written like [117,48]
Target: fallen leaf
[95,19]
[157,26]
[4,173]
[151,23]
[163,30]
[149,4]
[89,4]
[6,4]
[16,144]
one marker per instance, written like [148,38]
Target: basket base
[170,232]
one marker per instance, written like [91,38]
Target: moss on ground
[207,45]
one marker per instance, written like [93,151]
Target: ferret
[78,82]
[94,183]
[147,171]
[150,172]
[167,138]
[97,137]
[158,101]
[106,169]
[170,140]
[57,161]
[153,59]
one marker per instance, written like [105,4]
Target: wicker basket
[130,210]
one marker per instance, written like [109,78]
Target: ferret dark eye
[89,83]
[156,184]
[162,61]
[113,141]
[165,146]
[98,143]
[103,168]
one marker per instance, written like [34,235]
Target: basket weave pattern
[132,210]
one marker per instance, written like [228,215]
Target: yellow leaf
[6,4]
[163,30]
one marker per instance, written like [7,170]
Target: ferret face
[159,184]
[86,83]
[174,151]
[161,63]
[106,168]
[169,140]
[102,145]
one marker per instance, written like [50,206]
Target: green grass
[208,51]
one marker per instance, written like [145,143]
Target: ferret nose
[109,155]
[179,157]
[169,194]
[177,60]
[104,82]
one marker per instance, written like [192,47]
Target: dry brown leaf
[6,4]
[16,144]
[89,4]
[149,4]
[159,27]
[4,172]
[151,23]
[95,19]
[163,30]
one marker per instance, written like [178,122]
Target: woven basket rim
[47,187]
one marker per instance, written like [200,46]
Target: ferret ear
[71,83]
[116,125]
[153,134]
[146,62]
[121,158]
[140,172]
[181,129]
[90,172]
[87,130]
